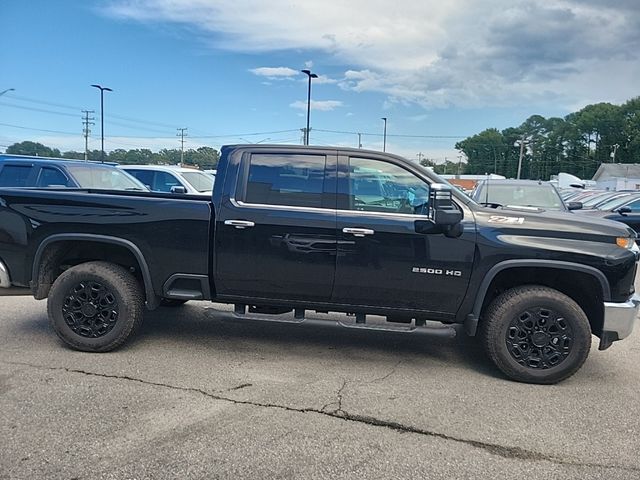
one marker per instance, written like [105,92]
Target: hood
[553,224]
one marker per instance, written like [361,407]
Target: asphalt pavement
[198,394]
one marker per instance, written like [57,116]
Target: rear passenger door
[276,233]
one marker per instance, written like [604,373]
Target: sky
[229,71]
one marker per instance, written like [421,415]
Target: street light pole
[102,90]
[384,139]
[7,90]
[310,75]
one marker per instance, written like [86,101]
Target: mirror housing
[623,210]
[178,189]
[574,206]
[443,212]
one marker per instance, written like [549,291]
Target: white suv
[172,178]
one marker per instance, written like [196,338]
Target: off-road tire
[515,324]
[82,297]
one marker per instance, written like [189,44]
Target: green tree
[32,149]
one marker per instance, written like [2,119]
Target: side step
[359,323]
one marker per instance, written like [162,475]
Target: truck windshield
[102,178]
[202,182]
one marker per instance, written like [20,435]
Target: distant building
[618,176]
[468,182]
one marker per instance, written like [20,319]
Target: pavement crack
[503,451]
[387,375]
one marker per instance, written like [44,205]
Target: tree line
[578,143]
[203,157]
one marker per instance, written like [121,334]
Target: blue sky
[229,70]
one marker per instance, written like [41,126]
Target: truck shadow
[200,328]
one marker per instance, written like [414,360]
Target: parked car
[284,233]
[521,193]
[40,172]
[172,178]
[625,209]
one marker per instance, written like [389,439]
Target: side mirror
[178,189]
[443,212]
[574,206]
[623,210]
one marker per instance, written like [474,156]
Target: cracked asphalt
[198,394]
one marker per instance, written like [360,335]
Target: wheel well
[61,255]
[583,288]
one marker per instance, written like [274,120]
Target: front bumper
[619,320]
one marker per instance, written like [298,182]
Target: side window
[52,177]
[634,206]
[164,181]
[377,186]
[145,176]
[293,180]
[14,175]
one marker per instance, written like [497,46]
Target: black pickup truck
[296,229]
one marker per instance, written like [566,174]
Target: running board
[359,323]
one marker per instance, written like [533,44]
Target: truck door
[382,260]
[276,234]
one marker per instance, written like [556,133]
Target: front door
[277,238]
[382,260]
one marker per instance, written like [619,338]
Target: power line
[33,109]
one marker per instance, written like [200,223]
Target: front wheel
[95,306]
[536,334]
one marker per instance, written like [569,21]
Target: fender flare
[151,299]
[471,322]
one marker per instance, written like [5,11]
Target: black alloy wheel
[90,309]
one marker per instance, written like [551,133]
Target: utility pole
[459,164]
[384,138]
[181,134]
[613,154]
[86,131]
[420,155]
[359,140]
[521,155]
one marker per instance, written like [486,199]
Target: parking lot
[198,394]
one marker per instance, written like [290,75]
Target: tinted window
[145,176]
[295,180]
[14,175]
[634,206]
[376,186]
[52,177]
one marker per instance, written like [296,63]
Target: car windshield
[538,196]
[616,202]
[202,182]
[104,178]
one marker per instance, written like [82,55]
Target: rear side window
[52,177]
[293,180]
[14,175]
[164,181]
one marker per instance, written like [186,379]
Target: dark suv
[23,171]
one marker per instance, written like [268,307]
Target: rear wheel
[95,306]
[536,334]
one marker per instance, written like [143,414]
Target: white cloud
[322,105]
[274,72]
[433,53]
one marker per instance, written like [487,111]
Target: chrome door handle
[239,223]
[358,232]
